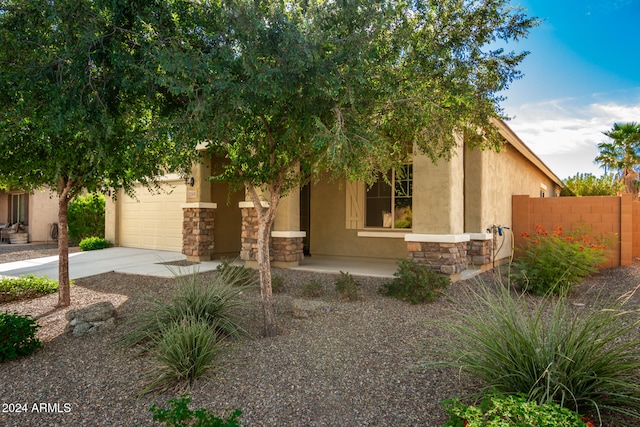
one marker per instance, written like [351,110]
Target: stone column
[198,214]
[197,231]
[286,238]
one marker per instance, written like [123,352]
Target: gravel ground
[354,365]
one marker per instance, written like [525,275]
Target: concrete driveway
[150,262]
[118,259]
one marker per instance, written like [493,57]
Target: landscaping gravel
[349,364]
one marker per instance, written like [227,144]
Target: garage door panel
[154,221]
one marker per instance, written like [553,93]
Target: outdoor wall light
[189,181]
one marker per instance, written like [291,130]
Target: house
[36,213]
[449,215]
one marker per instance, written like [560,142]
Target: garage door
[154,221]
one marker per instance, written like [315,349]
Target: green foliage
[549,351]
[93,243]
[17,336]
[213,303]
[86,217]
[179,415]
[312,289]
[184,350]
[555,263]
[277,284]
[347,286]
[497,410]
[415,283]
[242,275]
[586,184]
[26,287]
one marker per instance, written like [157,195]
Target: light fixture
[189,181]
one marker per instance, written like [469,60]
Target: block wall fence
[615,216]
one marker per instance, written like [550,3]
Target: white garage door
[154,221]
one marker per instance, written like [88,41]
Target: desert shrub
[17,336]
[277,284]
[26,286]
[347,286]
[184,350]
[497,410]
[312,289]
[555,263]
[415,283]
[581,360]
[242,275]
[179,415]
[93,243]
[86,216]
[213,303]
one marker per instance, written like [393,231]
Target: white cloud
[569,130]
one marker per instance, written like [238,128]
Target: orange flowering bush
[553,263]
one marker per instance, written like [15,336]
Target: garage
[153,221]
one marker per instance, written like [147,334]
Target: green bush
[415,283]
[497,410]
[86,216]
[586,184]
[312,289]
[555,263]
[347,286]
[25,287]
[179,415]
[243,276]
[213,303]
[93,243]
[184,350]
[277,284]
[17,336]
[581,360]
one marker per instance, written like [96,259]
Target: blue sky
[582,75]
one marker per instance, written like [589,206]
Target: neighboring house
[444,214]
[36,212]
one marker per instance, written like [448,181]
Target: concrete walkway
[150,263]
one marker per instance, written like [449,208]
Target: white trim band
[199,205]
[437,238]
[480,236]
[288,234]
[383,234]
[249,204]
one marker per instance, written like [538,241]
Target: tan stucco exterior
[42,212]
[454,203]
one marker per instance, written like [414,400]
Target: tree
[586,184]
[622,154]
[75,111]
[285,90]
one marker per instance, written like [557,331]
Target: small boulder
[92,319]
[303,308]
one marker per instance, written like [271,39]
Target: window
[390,209]
[18,208]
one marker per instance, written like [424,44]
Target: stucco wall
[43,211]
[328,235]
[491,178]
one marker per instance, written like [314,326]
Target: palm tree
[622,154]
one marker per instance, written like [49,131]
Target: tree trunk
[263,258]
[64,288]
[266,216]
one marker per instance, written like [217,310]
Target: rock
[302,308]
[92,319]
